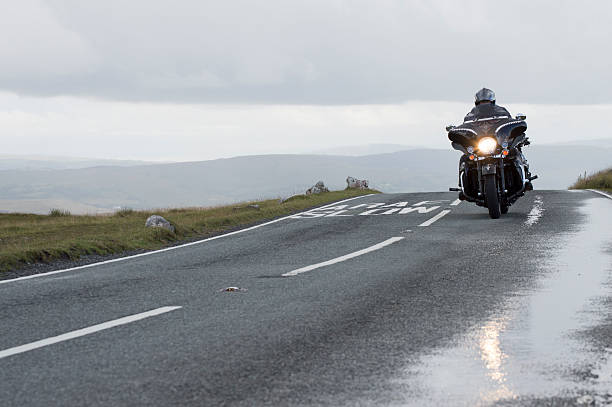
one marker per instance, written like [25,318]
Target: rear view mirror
[521,116]
[449,127]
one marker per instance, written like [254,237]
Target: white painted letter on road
[420,209]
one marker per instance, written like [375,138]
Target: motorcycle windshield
[503,129]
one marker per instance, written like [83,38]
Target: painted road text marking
[376,208]
[377,246]
[85,331]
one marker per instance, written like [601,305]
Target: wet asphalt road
[463,311]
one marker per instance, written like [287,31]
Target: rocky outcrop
[317,188]
[156,221]
[356,183]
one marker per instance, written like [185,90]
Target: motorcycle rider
[487,109]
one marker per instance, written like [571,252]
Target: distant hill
[25,162]
[230,180]
[368,149]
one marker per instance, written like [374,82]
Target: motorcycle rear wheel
[491,195]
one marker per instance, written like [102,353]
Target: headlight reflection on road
[493,357]
[476,371]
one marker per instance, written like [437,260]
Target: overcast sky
[198,79]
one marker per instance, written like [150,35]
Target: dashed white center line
[456,202]
[85,331]
[435,218]
[377,246]
[536,212]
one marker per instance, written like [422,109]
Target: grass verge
[27,238]
[601,180]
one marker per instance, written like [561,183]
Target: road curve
[393,299]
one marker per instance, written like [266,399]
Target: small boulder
[317,188]
[356,183]
[585,400]
[156,221]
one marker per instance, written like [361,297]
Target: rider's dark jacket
[485,111]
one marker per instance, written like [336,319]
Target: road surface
[393,299]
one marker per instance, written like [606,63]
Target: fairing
[503,129]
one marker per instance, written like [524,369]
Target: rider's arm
[469,116]
[503,111]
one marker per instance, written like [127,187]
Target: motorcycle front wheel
[491,196]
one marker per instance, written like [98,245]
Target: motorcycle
[493,171]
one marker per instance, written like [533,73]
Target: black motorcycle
[493,171]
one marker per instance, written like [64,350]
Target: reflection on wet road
[494,358]
[534,348]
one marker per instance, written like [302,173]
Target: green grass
[601,180]
[27,238]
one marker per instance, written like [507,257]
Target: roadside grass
[601,180]
[27,238]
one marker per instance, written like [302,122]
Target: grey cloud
[320,52]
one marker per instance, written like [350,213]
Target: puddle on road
[531,348]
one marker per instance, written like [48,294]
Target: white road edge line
[358,253]
[600,193]
[435,218]
[85,331]
[173,247]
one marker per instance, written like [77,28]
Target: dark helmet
[485,94]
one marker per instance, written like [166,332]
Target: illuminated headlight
[487,145]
